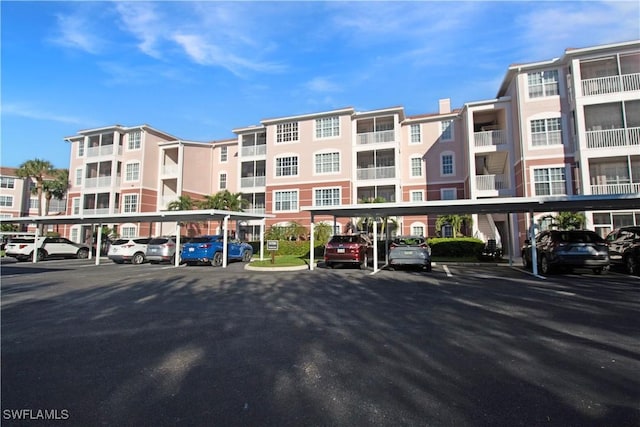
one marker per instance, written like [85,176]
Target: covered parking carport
[161,216]
[507,206]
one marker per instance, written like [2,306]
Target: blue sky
[197,70]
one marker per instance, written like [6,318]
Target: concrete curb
[295,268]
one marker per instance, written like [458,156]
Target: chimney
[444,106]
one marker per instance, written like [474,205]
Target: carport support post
[225,250]
[534,248]
[176,261]
[509,240]
[262,222]
[98,245]
[311,244]
[35,244]
[375,245]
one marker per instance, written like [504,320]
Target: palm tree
[224,200]
[182,203]
[366,222]
[38,170]
[455,221]
[55,188]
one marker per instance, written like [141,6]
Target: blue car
[208,250]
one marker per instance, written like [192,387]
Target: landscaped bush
[456,247]
[298,248]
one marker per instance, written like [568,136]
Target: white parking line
[446,270]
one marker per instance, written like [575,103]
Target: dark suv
[624,248]
[348,249]
[568,249]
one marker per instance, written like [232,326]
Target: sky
[198,70]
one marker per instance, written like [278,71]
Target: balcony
[102,150]
[629,188]
[255,211]
[490,138]
[611,84]
[98,211]
[170,170]
[611,138]
[491,182]
[376,137]
[252,181]
[253,150]
[101,181]
[385,172]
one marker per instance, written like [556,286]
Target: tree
[55,188]
[322,232]
[38,170]
[182,203]
[369,222]
[455,221]
[225,201]
[566,220]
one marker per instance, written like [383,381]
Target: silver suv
[131,250]
[163,249]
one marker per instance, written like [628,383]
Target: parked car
[131,250]
[208,250]
[348,249]
[21,248]
[163,248]
[624,248]
[568,249]
[410,251]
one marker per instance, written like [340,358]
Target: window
[130,203]
[75,234]
[416,167]
[287,166]
[224,154]
[416,137]
[327,127]
[132,172]
[448,194]
[135,139]
[7,182]
[34,203]
[6,201]
[128,231]
[417,196]
[285,201]
[78,177]
[546,132]
[549,181]
[446,130]
[327,162]
[223,181]
[287,132]
[447,165]
[81,148]
[417,230]
[75,206]
[327,196]
[543,83]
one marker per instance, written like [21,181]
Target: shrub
[298,248]
[456,247]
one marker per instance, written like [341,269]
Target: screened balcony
[253,145]
[619,175]
[102,145]
[489,129]
[101,175]
[253,174]
[619,73]
[615,124]
[378,164]
[375,130]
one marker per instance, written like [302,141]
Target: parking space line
[446,270]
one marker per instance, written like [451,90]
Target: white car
[21,248]
[131,250]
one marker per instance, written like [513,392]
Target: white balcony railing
[255,211]
[377,173]
[170,170]
[253,150]
[611,84]
[98,211]
[165,200]
[376,137]
[490,137]
[252,181]
[102,150]
[610,138]
[491,182]
[630,188]
[101,182]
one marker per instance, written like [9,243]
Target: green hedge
[286,247]
[455,247]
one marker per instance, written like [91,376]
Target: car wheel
[630,265]
[117,261]
[328,265]
[365,262]
[525,262]
[82,254]
[40,255]
[427,268]
[545,268]
[217,259]
[137,258]
[246,256]
[597,270]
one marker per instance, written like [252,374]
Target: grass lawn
[281,261]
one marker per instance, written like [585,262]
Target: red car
[348,249]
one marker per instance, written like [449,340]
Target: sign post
[272,246]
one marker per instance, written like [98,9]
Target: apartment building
[569,125]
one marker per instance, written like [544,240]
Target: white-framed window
[327,196]
[549,181]
[415,134]
[6,201]
[285,201]
[448,194]
[546,132]
[34,203]
[446,130]
[417,195]
[75,206]
[287,166]
[417,229]
[543,83]
[128,231]
[130,203]
[224,154]
[7,182]
[134,140]
[74,235]
[327,162]
[78,176]
[223,181]
[132,171]
[81,148]
[327,127]
[416,167]
[447,164]
[287,132]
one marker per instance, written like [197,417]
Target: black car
[567,249]
[624,248]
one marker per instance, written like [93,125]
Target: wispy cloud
[322,84]
[26,111]
[141,20]
[71,32]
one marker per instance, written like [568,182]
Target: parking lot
[463,345]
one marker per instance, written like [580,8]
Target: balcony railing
[490,137]
[377,173]
[102,150]
[253,150]
[630,188]
[491,182]
[610,138]
[253,181]
[255,211]
[611,84]
[165,200]
[376,137]
[101,181]
[98,211]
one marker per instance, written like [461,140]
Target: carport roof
[160,216]
[484,206]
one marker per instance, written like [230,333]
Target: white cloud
[72,33]
[322,84]
[29,112]
[141,20]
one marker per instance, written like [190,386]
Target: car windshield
[580,237]
[345,239]
[409,240]
[158,241]
[200,240]
[19,240]
[120,242]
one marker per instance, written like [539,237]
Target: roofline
[343,111]
[145,127]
